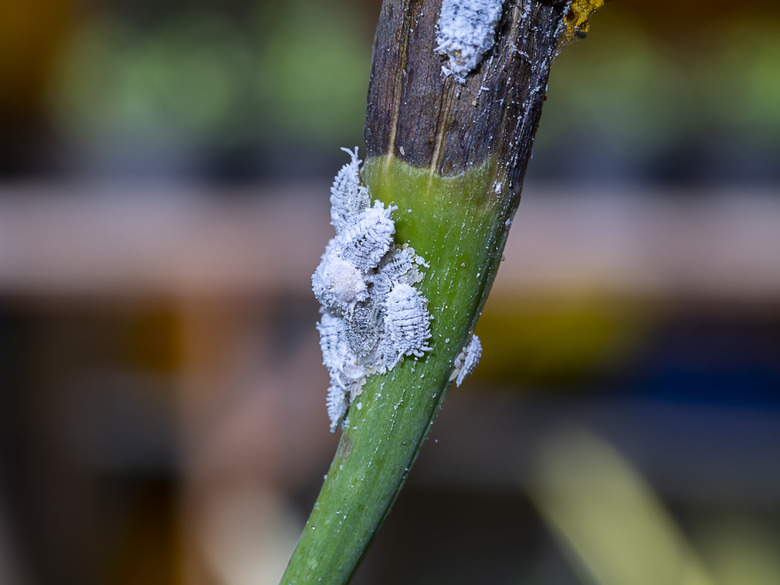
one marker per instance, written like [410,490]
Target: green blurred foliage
[188,76]
[616,83]
[739,82]
[616,530]
[297,72]
[312,71]
[628,87]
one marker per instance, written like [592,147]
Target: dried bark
[427,119]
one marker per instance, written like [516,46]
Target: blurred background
[164,176]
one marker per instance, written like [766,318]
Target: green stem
[461,232]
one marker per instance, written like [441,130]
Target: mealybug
[337,356]
[368,238]
[337,404]
[348,198]
[466,360]
[333,343]
[400,265]
[363,330]
[407,321]
[337,284]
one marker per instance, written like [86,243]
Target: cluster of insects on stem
[372,313]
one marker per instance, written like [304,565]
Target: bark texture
[427,119]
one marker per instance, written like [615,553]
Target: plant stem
[452,157]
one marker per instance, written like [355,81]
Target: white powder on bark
[466,30]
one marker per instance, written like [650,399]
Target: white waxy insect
[333,342]
[337,356]
[337,404]
[466,30]
[348,198]
[338,284]
[346,371]
[364,329]
[407,321]
[368,238]
[400,265]
[466,360]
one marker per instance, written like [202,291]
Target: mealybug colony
[372,316]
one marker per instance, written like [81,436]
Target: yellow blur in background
[164,177]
